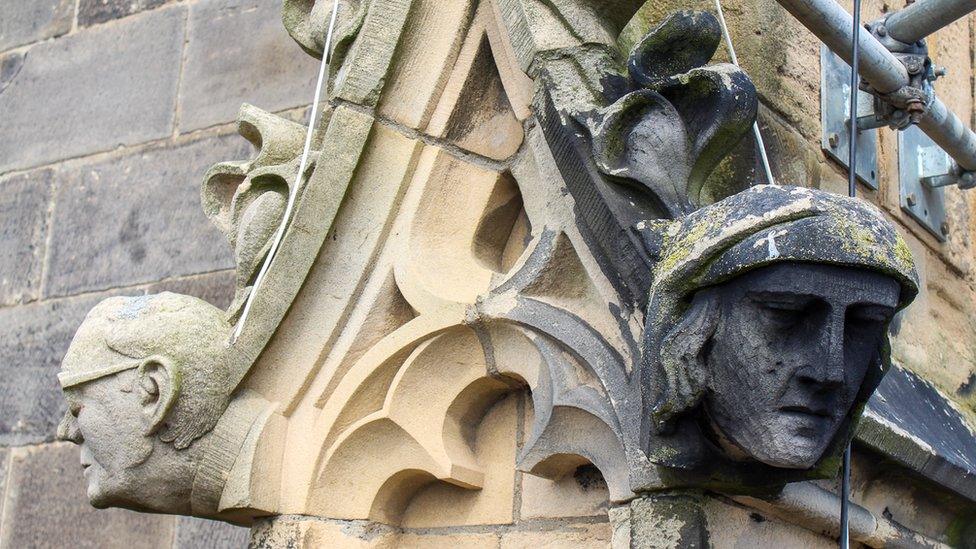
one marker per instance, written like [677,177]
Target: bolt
[833,140]
[967,180]
[911,200]
[882,31]
[941,71]
[944,228]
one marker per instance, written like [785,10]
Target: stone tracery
[430,271]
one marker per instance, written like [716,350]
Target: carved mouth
[806,410]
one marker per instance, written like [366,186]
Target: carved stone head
[768,319]
[144,385]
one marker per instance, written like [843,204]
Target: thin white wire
[292,194]
[735,61]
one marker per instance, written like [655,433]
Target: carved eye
[869,315]
[783,314]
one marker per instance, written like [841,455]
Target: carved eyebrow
[873,311]
[773,296]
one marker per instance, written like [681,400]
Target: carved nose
[68,430]
[827,369]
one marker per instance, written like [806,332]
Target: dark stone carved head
[768,319]
[145,388]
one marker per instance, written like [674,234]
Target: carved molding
[513,212]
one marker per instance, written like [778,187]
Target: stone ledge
[908,420]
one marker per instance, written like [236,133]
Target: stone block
[583,494]
[239,52]
[46,507]
[215,288]
[579,536]
[24,203]
[137,219]
[733,526]
[33,340]
[447,541]
[93,12]
[194,533]
[93,90]
[442,504]
[25,22]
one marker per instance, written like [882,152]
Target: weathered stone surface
[10,65]
[58,106]
[92,12]
[668,521]
[449,541]
[193,533]
[4,470]
[25,22]
[24,203]
[580,536]
[216,288]
[582,494]
[33,339]
[136,219]
[237,52]
[46,495]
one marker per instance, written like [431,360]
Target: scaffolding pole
[879,68]
[924,17]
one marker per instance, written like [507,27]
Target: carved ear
[159,387]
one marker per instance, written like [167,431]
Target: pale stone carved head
[767,326]
[145,388]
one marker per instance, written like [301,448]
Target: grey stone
[216,288]
[33,339]
[93,90]
[137,219]
[152,360]
[46,507]
[93,12]
[194,533]
[238,52]
[10,65]
[4,460]
[24,203]
[24,22]
[784,333]
[675,521]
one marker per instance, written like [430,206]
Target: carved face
[105,418]
[790,351]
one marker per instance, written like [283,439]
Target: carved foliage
[682,118]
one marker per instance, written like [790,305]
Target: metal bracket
[835,97]
[922,168]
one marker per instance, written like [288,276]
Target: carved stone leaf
[307,21]
[684,41]
[643,138]
[718,105]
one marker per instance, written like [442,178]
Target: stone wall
[111,111]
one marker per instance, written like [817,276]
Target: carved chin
[98,496]
[802,455]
